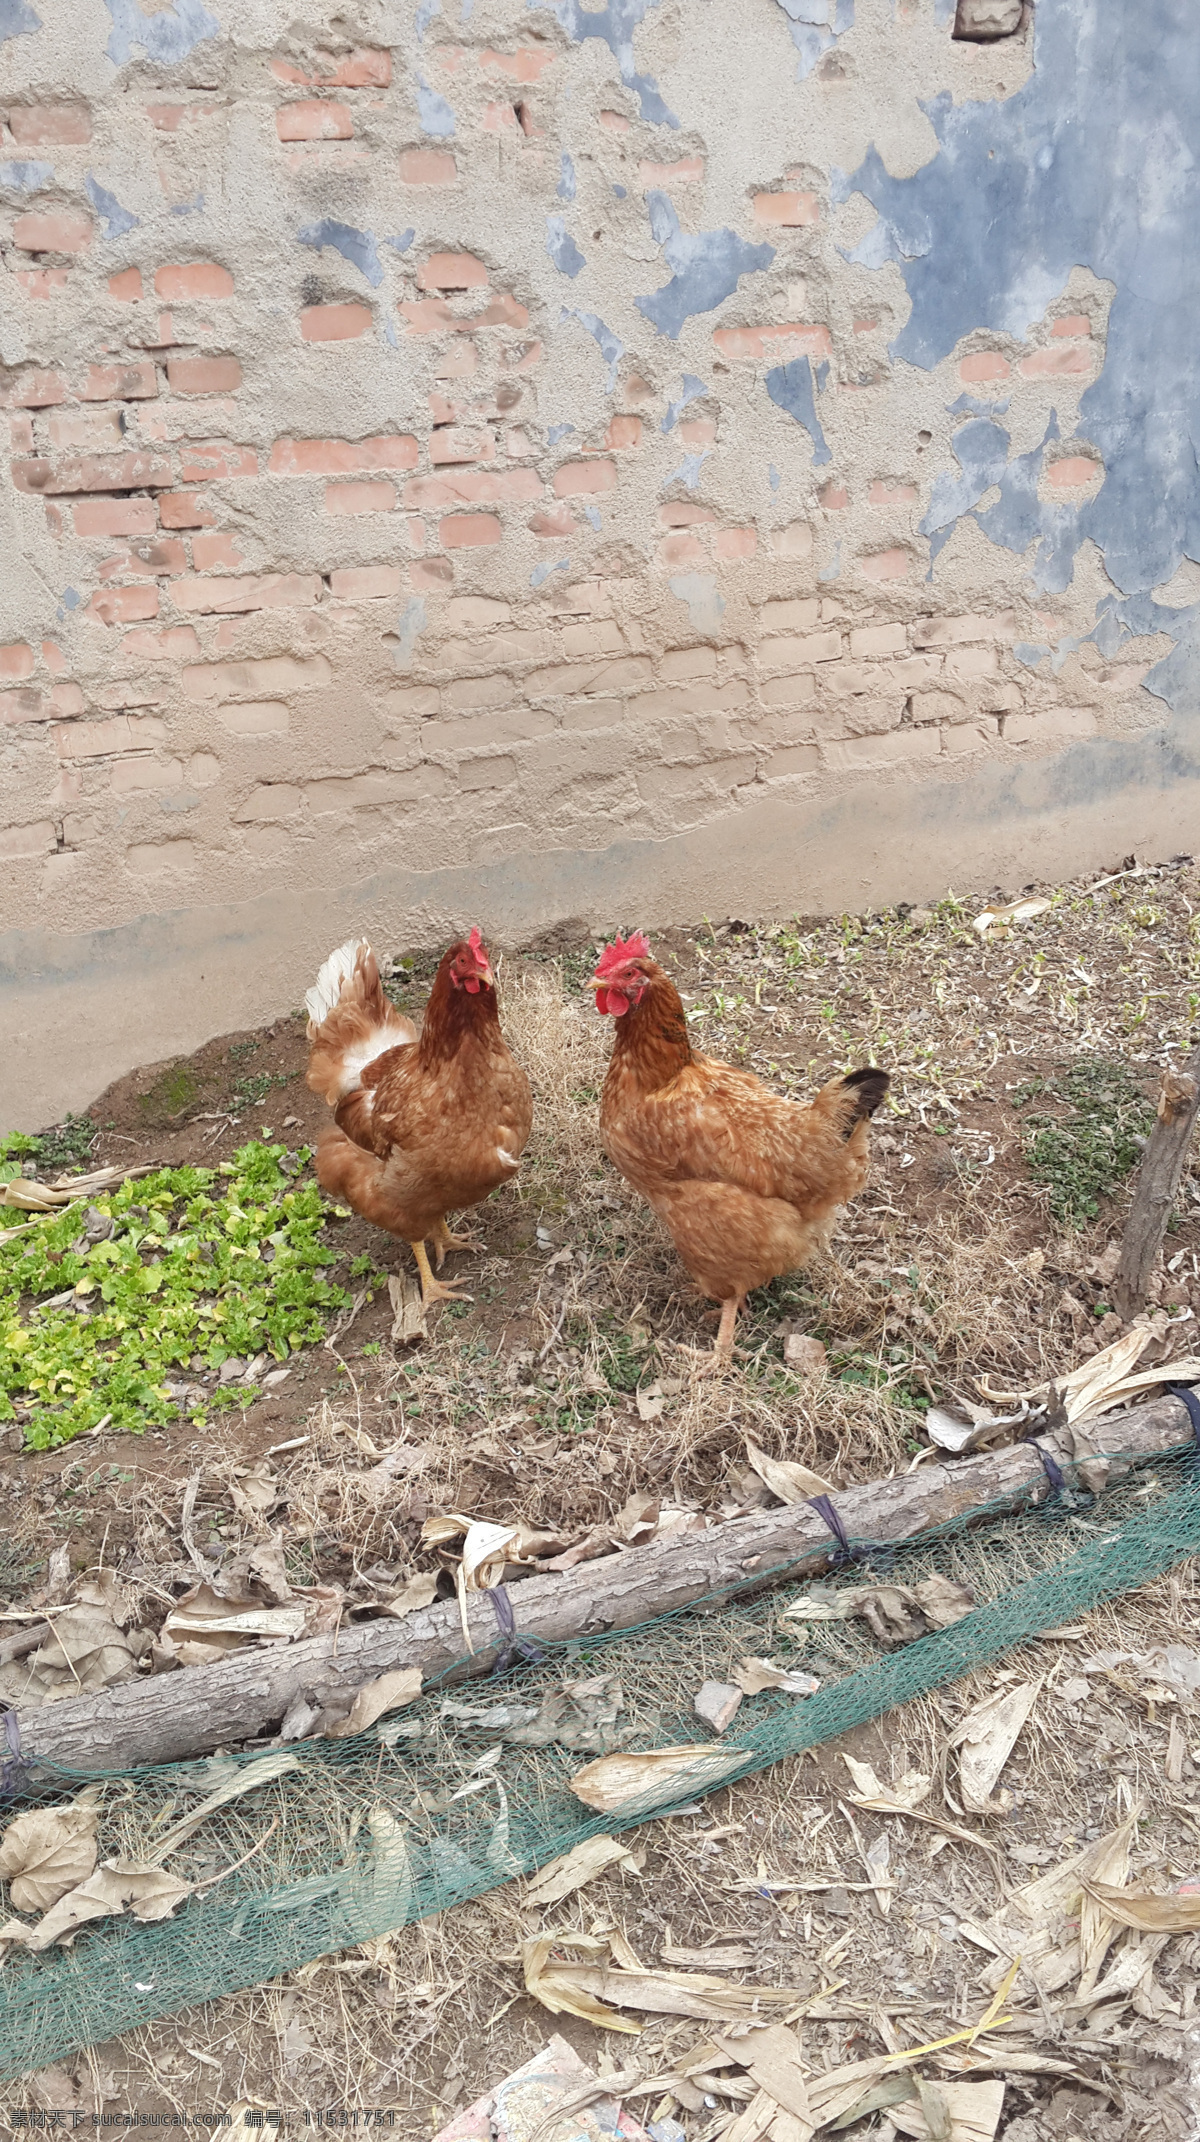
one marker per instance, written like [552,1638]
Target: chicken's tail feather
[351,1021]
[852,1100]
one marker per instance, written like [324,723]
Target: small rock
[1075,1691]
[97,1225]
[805,1356]
[290,1122]
[275,1376]
[716,1703]
[921,917]
[231,1371]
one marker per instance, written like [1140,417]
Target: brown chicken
[747,1184]
[427,1123]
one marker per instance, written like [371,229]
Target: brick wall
[442,488]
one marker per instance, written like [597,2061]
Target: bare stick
[1158,1180]
[245,1695]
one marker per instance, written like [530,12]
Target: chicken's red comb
[475,943]
[622,948]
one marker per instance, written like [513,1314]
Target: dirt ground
[525,1401]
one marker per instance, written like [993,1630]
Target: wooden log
[199,1708]
[1158,1180]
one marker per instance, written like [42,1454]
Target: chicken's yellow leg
[433,1290]
[443,1240]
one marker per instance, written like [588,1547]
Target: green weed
[201,1264]
[1090,1144]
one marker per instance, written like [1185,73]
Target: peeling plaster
[166,37]
[1067,174]
[615,25]
[358,247]
[790,387]
[114,219]
[562,248]
[26,177]
[610,346]
[17,20]
[707,268]
[815,27]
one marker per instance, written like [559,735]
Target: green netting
[368,1834]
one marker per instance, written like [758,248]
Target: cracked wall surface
[474,461]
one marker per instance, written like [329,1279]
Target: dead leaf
[792,1483]
[900,1798]
[387,1692]
[1178,1914]
[805,1357]
[47,1852]
[967,1431]
[1015,911]
[650,1401]
[83,1653]
[408,1310]
[586,1989]
[755,1676]
[657,1776]
[714,1959]
[116,1887]
[563,1876]
[416,1593]
[772,2058]
[254,1490]
[986,1737]
[895,1613]
[247,1777]
[204,1625]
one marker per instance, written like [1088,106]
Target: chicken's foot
[433,1290]
[443,1240]
[722,1353]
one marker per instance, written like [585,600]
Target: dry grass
[948,1268]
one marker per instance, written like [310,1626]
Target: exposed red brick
[890,494]
[366,583]
[451,271]
[428,167]
[127,285]
[204,375]
[123,606]
[867,325]
[681,549]
[168,118]
[54,658]
[452,443]
[136,382]
[558,523]
[983,364]
[53,230]
[884,565]
[41,282]
[361,497]
[473,486]
[1074,323]
[35,126]
[207,460]
[182,509]
[428,315]
[737,542]
[614,122]
[431,576]
[698,431]
[133,471]
[1074,470]
[254,591]
[180,280]
[216,552]
[314,119]
[337,457]
[367,67]
[834,497]
[789,211]
[469,531]
[681,513]
[790,336]
[177,644]
[685,171]
[36,390]
[334,323]
[623,433]
[575,477]
[20,431]
[152,559]
[1056,363]
[499,118]
[24,705]
[115,517]
[16,660]
[527,64]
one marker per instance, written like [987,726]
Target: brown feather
[747,1183]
